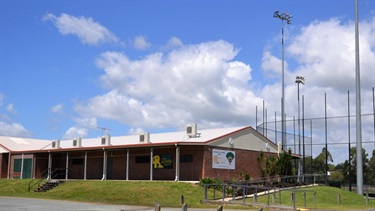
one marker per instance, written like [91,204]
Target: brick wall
[246,163]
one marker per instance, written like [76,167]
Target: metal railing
[47,175]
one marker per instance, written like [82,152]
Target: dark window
[77,161]
[142,159]
[186,158]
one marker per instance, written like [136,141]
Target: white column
[104,165]
[21,176]
[9,162]
[34,164]
[85,167]
[49,165]
[66,165]
[177,163]
[127,164]
[151,164]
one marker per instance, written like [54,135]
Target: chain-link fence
[309,136]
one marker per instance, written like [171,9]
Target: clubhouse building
[224,153]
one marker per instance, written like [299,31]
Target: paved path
[31,204]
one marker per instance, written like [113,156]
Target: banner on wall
[162,161]
[223,159]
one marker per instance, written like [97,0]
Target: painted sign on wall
[162,161]
[223,159]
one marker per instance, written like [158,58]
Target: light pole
[283,16]
[299,80]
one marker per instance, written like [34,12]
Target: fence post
[205,192]
[255,195]
[220,208]
[243,194]
[338,198]
[157,207]
[184,207]
[233,193]
[367,199]
[182,199]
[223,192]
[279,196]
[304,198]
[314,197]
[291,197]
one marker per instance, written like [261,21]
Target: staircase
[50,184]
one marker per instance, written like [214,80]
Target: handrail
[46,175]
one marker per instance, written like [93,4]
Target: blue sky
[69,67]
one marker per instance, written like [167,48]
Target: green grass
[325,198]
[167,194]
[143,193]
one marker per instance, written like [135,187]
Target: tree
[270,166]
[368,167]
[365,160]
[260,159]
[336,176]
[284,163]
[319,163]
[370,179]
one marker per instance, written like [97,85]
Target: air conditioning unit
[144,138]
[77,142]
[56,144]
[106,140]
[191,130]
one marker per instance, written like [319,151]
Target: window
[142,159]
[186,158]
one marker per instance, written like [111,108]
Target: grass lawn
[321,197]
[168,194]
[143,193]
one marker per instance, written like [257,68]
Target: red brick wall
[246,163]
[4,165]
[192,171]
[200,167]
[41,164]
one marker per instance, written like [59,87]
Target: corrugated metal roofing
[203,136]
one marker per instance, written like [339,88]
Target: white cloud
[194,83]
[89,122]
[324,52]
[88,31]
[140,42]
[11,109]
[13,129]
[136,131]
[74,132]
[174,42]
[59,108]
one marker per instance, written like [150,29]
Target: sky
[83,68]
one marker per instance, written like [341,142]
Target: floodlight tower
[300,80]
[283,17]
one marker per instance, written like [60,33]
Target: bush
[208,181]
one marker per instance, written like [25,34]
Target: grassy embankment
[325,198]
[147,193]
